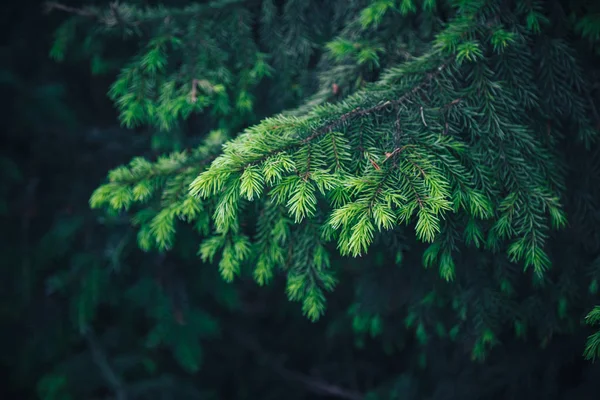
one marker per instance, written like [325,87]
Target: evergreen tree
[430,168]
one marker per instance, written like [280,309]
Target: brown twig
[394,152]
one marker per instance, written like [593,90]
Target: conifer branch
[350,115]
[464,143]
[360,112]
[183,167]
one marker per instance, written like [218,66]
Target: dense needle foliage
[421,179]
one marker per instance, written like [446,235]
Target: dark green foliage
[438,141]
[419,178]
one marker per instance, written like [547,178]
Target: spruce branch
[191,162]
[345,118]
[362,112]
[463,142]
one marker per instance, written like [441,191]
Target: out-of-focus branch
[101,361]
[84,12]
[124,15]
[111,17]
[313,384]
